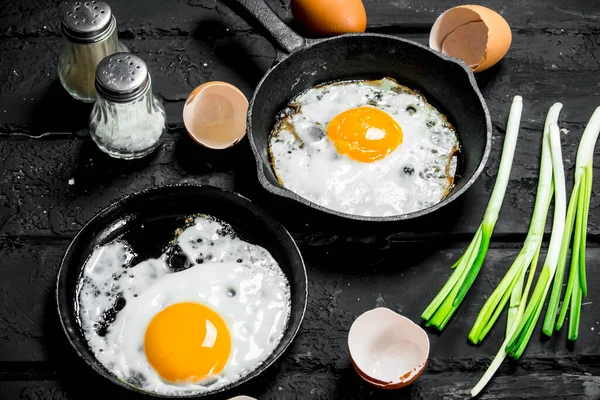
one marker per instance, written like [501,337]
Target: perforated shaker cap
[87,21]
[122,77]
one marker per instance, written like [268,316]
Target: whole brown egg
[330,17]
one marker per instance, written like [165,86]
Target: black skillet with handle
[446,82]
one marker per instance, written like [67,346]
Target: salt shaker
[90,34]
[127,120]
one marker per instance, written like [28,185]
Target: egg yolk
[365,134]
[187,342]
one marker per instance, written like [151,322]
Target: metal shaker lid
[122,77]
[87,21]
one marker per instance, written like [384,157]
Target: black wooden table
[53,179]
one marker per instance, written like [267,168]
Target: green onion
[577,215]
[521,336]
[521,318]
[443,306]
[519,297]
[531,247]
[501,355]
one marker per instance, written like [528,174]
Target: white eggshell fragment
[475,34]
[387,350]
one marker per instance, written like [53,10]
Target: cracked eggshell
[387,350]
[475,34]
[214,115]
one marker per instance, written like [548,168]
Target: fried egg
[184,330]
[370,148]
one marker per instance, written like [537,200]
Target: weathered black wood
[53,179]
[343,384]
[53,185]
[39,18]
[38,106]
[345,280]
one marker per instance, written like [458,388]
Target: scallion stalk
[577,214]
[521,336]
[521,322]
[447,301]
[530,250]
[501,355]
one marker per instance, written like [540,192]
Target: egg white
[240,281]
[414,176]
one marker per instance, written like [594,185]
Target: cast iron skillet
[147,221]
[446,82]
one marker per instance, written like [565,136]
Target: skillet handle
[258,14]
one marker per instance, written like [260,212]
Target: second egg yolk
[365,134]
[187,342]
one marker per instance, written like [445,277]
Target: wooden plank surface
[53,179]
[344,281]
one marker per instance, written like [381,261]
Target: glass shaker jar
[90,34]
[127,120]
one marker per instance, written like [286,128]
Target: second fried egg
[202,316]
[371,148]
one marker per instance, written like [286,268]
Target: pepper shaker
[90,34]
[127,120]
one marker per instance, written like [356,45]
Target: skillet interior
[147,220]
[445,82]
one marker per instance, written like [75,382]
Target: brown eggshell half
[387,350]
[214,115]
[475,34]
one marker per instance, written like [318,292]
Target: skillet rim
[280,190]
[62,300]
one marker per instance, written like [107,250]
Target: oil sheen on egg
[370,148]
[185,330]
